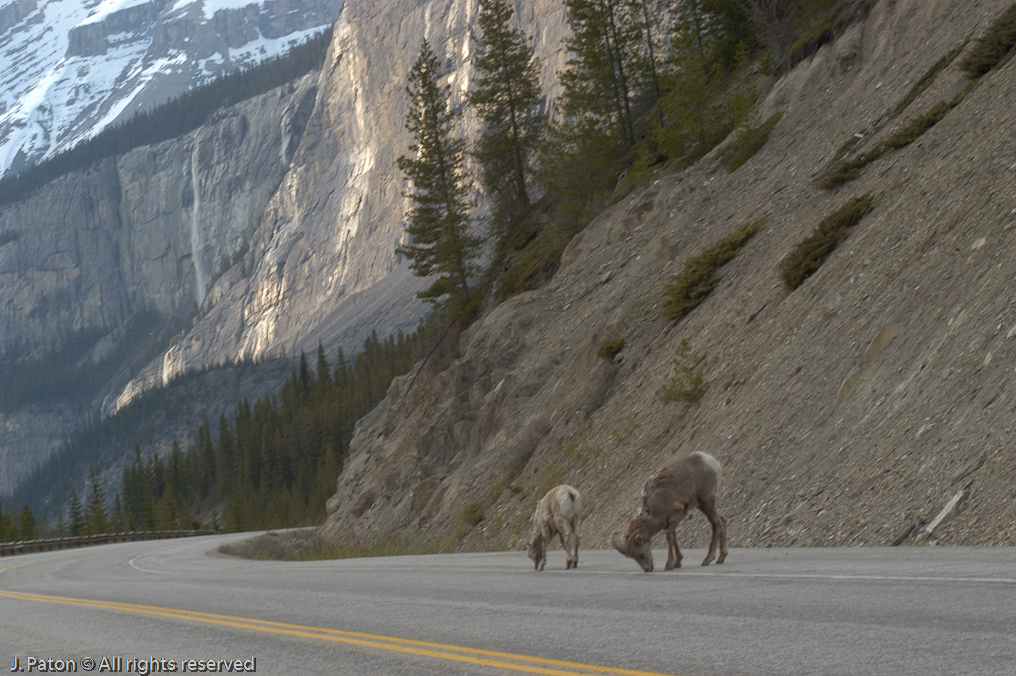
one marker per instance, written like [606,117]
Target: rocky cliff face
[150,230]
[848,411]
[322,265]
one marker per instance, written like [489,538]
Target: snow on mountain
[70,68]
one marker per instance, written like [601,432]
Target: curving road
[899,611]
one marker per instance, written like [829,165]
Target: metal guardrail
[49,544]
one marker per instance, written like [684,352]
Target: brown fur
[683,483]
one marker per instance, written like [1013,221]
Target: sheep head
[637,543]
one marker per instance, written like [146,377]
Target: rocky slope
[846,412]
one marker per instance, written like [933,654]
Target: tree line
[273,463]
[87,517]
[647,83]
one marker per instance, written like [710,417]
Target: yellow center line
[478,656]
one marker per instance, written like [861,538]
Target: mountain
[71,68]
[267,231]
[852,410]
[102,268]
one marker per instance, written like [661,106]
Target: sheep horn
[618,545]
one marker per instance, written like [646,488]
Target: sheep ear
[639,540]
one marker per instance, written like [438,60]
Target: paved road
[926,610]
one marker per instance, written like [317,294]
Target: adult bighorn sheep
[689,481]
[558,512]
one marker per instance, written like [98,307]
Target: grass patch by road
[308,545]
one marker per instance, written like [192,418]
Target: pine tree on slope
[438,225]
[507,98]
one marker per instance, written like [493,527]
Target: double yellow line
[445,651]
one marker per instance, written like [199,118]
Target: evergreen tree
[576,165]
[699,104]
[718,29]
[507,98]
[96,518]
[118,515]
[8,529]
[324,376]
[75,514]
[611,82]
[438,225]
[607,74]
[29,528]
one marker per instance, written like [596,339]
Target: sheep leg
[567,534]
[719,525]
[575,544]
[673,551]
[723,540]
[572,546]
[545,534]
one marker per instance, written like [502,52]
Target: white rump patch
[569,502]
[713,463]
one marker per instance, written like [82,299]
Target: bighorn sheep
[558,512]
[689,481]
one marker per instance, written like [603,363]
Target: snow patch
[110,7]
[263,48]
[50,101]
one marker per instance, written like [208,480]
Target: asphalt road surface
[165,604]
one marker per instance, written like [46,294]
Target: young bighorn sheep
[689,481]
[558,512]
